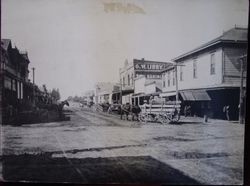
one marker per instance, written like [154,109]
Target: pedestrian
[151,99]
[185,111]
[228,112]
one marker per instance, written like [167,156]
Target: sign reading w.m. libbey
[144,67]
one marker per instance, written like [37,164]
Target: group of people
[226,111]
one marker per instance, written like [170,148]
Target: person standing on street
[226,110]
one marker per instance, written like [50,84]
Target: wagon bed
[163,112]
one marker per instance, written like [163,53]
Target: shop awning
[153,94]
[195,95]
[167,94]
[128,91]
[138,94]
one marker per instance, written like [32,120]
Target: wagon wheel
[175,118]
[164,119]
[145,118]
[142,117]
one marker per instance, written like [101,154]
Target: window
[164,83]
[212,64]
[195,69]
[13,85]
[123,81]
[21,90]
[173,78]
[18,90]
[168,79]
[7,83]
[128,80]
[132,78]
[181,73]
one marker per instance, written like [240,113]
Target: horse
[127,109]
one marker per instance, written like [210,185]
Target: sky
[75,43]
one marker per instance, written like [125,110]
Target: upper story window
[13,85]
[195,68]
[212,64]
[123,81]
[7,82]
[181,73]
[132,78]
[128,80]
[168,79]
[173,78]
[164,83]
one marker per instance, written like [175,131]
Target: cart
[163,112]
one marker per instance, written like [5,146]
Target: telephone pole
[242,60]
[176,84]
[176,81]
[33,70]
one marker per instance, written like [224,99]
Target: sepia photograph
[123,91]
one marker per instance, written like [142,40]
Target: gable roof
[233,35]
[5,43]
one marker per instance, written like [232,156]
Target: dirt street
[100,148]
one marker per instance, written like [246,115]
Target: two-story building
[14,77]
[127,74]
[141,79]
[208,77]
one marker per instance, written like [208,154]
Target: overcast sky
[75,43]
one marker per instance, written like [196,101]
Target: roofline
[160,62]
[205,47]
[169,68]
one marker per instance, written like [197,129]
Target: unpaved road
[123,151]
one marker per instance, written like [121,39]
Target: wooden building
[209,76]
[14,74]
[140,79]
[106,92]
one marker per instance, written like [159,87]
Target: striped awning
[195,95]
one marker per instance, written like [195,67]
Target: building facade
[14,77]
[107,92]
[208,77]
[140,79]
[127,76]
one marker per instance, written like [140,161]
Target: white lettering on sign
[139,66]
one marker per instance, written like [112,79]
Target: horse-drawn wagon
[160,111]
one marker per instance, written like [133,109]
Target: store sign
[146,66]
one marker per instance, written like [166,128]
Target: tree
[55,94]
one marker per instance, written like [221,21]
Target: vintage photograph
[123,91]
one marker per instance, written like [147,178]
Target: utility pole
[120,100]
[176,81]
[33,70]
[241,101]
[176,84]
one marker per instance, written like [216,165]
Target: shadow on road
[139,169]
